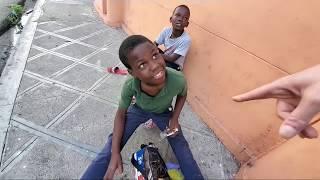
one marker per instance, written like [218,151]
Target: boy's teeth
[158,75]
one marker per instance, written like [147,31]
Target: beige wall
[236,46]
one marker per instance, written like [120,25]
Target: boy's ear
[170,19]
[187,24]
[130,72]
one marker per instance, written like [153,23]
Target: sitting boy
[154,87]
[175,40]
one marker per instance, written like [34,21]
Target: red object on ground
[117,70]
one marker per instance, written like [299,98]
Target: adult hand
[298,101]
[115,164]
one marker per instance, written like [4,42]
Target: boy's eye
[154,57]
[141,66]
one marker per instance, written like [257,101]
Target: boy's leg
[98,167]
[181,149]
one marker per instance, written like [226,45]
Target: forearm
[178,107]
[118,130]
[170,58]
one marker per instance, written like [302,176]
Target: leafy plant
[15,15]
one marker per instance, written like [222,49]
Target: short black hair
[128,45]
[183,6]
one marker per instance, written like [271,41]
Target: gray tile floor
[66,102]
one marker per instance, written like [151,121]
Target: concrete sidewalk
[66,102]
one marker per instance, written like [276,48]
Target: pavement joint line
[63,29]
[72,40]
[100,81]
[69,87]
[36,56]
[17,156]
[47,134]
[61,71]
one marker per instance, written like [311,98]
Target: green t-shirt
[175,85]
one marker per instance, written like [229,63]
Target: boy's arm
[174,123]
[181,50]
[171,58]
[116,161]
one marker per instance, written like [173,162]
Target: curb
[12,72]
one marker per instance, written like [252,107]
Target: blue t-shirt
[179,45]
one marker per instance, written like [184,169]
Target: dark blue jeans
[134,117]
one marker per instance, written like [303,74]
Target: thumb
[299,119]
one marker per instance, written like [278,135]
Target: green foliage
[15,15]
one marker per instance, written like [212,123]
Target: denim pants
[134,117]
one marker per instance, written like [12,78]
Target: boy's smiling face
[180,18]
[147,64]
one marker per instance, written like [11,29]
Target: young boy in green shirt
[154,88]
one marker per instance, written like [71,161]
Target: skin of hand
[174,122]
[116,160]
[298,101]
[115,165]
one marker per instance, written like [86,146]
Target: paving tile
[47,160]
[210,155]
[104,59]
[33,52]
[15,139]
[83,30]
[188,119]
[76,50]
[51,26]
[90,123]
[111,87]
[47,65]
[26,82]
[81,76]
[49,42]
[43,104]
[101,39]
[38,33]
[68,12]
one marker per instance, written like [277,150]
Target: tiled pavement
[66,102]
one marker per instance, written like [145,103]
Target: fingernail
[235,98]
[287,132]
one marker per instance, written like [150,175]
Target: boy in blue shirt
[175,39]
[154,88]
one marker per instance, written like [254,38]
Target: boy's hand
[115,164]
[173,126]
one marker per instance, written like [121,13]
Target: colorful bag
[149,163]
